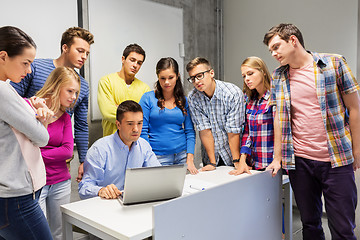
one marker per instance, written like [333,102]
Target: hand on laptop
[109,192]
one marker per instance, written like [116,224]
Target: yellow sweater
[112,91]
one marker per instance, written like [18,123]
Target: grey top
[15,177]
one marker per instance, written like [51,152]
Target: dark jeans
[22,218]
[309,181]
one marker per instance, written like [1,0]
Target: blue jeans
[22,218]
[51,197]
[172,159]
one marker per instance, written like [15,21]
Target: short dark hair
[127,106]
[133,48]
[13,41]
[284,30]
[197,61]
[69,35]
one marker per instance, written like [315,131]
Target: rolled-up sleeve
[198,114]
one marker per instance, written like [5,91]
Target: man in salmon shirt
[314,137]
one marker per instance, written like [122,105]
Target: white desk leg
[288,211]
[67,228]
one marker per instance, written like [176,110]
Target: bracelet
[212,164]
[236,160]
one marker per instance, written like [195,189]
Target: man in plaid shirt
[315,139]
[217,111]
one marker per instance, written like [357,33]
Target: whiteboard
[157,28]
[43,20]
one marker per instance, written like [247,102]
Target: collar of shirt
[216,92]
[120,143]
[266,97]
[219,89]
[320,62]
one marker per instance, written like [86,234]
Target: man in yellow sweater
[117,87]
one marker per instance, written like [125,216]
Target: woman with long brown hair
[22,132]
[167,122]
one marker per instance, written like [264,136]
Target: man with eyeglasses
[217,111]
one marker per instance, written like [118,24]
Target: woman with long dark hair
[167,122]
[22,132]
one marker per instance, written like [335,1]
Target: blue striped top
[33,82]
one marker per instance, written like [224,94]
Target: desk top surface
[135,221]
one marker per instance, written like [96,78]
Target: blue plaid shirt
[333,77]
[223,113]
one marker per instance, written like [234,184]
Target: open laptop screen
[153,183]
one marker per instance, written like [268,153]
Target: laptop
[153,184]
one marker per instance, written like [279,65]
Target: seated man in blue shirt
[109,157]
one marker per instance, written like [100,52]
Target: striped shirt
[33,82]
[223,113]
[333,78]
[258,135]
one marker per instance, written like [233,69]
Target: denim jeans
[22,218]
[172,159]
[309,181]
[51,197]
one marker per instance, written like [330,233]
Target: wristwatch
[236,160]
[212,164]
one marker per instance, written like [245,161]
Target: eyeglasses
[198,76]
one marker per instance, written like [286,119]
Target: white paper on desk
[199,184]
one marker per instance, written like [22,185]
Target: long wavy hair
[57,79]
[259,64]
[163,64]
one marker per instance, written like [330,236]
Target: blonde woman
[60,93]
[257,144]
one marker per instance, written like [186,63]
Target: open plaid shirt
[258,135]
[333,77]
[223,113]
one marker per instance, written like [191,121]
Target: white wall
[43,20]
[160,33]
[327,26]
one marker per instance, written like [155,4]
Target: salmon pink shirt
[307,125]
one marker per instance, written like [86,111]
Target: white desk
[108,219]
